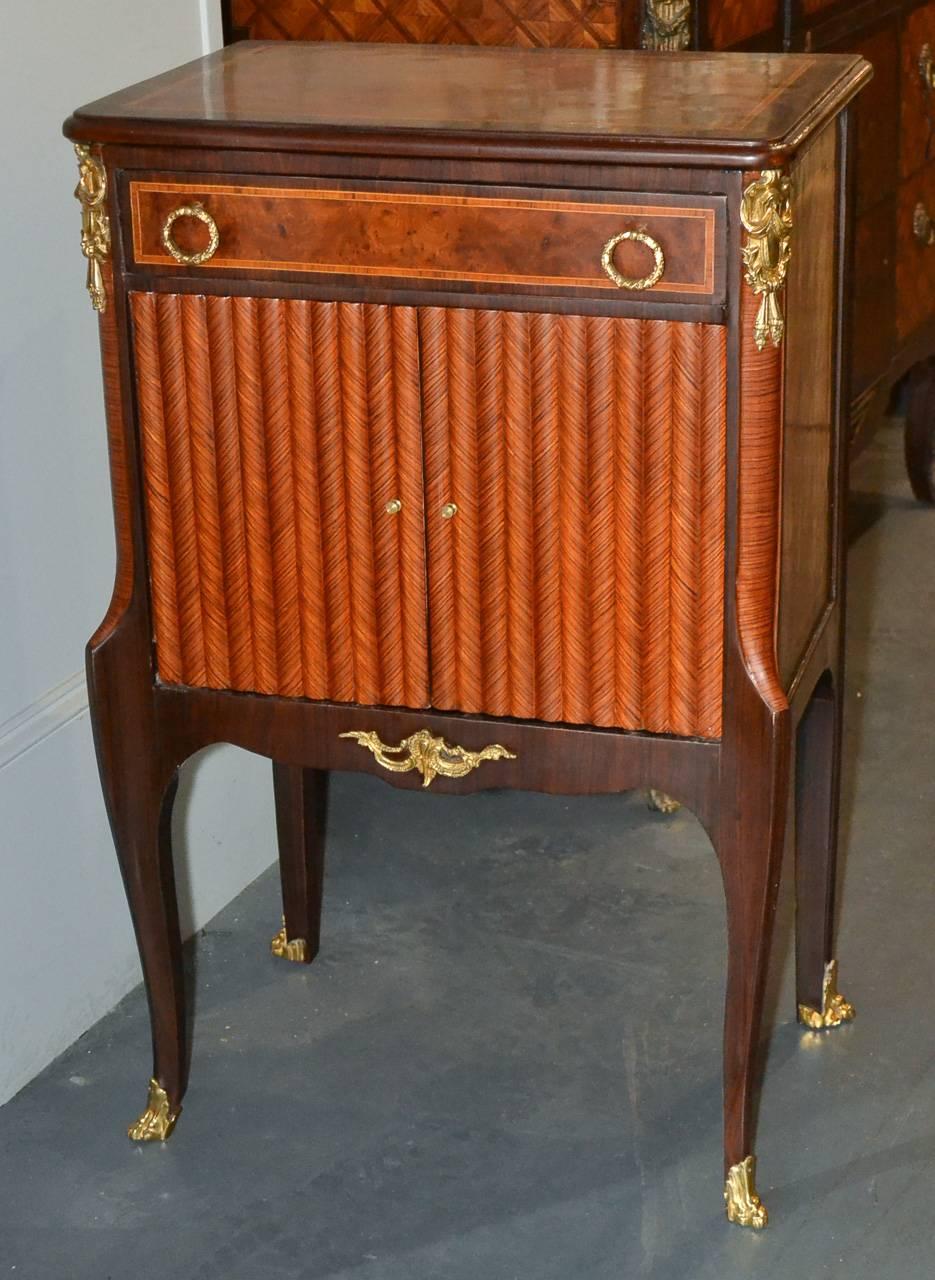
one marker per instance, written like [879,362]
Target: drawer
[917,97]
[915,258]
[422,237]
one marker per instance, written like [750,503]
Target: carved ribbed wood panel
[582,577]
[274,433]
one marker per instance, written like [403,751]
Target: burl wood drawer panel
[917,100]
[581,578]
[915,261]
[550,23]
[431,235]
[274,434]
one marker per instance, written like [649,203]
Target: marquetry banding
[453,241]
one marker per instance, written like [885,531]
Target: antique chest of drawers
[481,428]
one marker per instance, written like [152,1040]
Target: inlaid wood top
[722,108]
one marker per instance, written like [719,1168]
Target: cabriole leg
[139,788]
[754,796]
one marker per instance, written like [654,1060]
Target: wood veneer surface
[288,94]
[274,434]
[547,23]
[582,577]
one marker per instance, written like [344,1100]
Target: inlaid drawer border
[631,212]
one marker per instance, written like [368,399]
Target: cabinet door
[581,578]
[274,435]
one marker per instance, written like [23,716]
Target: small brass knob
[393,507]
[449,509]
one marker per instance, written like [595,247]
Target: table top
[708,108]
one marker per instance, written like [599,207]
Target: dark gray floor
[505,1063]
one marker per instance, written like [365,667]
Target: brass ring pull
[624,282]
[926,65]
[923,227]
[191,211]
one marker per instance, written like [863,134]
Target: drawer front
[917,99]
[424,238]
[915,261]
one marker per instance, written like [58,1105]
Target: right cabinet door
[575,487]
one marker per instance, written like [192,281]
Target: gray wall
[66,946]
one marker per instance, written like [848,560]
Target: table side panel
[805,580]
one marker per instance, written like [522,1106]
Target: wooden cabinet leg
[754,798]
[139,788]
[301,814]
[920,431]
[817,787]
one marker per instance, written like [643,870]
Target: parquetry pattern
[582,577]
[581,580]
[547,23]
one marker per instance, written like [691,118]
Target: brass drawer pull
[394,506]
[449,510]
[429,755]
[923,228]
[191,211]
[926,65]
[624,282]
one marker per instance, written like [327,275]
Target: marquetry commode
[474,421]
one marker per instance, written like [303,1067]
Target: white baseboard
[51,711]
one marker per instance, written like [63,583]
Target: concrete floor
[505,1065]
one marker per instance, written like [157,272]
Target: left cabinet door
[282,470]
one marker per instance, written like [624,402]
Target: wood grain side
[808,444]
[758,506]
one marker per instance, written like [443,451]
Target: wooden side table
[486,434]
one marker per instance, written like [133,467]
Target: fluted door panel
[581,578]
[274,433]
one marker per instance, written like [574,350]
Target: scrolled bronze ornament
[766,213]
[91,192]
[667,25]
[428,755]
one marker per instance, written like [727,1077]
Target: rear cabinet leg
[301,810]
[817,787]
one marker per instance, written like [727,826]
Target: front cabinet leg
[301,812]
[753,802]
[139,786]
